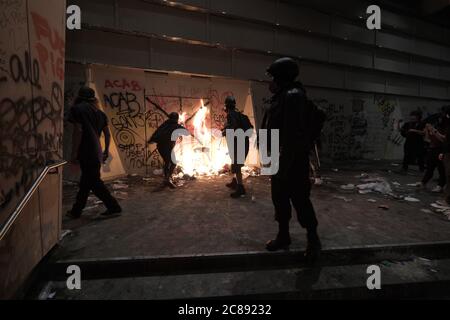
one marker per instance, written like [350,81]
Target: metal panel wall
[261,29]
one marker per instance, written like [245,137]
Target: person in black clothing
[234,122]
[163,139]
[287,113]
[436,136]
[445,155]
[89,123]
[414,148]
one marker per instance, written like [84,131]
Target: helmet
[230,102]
[284,70]
[174,116]
[86,94]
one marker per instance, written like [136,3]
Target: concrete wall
[408,61]
[32,62]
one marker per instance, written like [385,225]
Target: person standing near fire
[164,144]
[236,120]
[89,123]
[288,113]
[414,148]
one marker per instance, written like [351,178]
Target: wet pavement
[199,217]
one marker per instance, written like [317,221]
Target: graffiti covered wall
[32,54]
[366,126]
[31,101]
[137,102]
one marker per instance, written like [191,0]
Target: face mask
[273,87]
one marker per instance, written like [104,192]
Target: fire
[205,153]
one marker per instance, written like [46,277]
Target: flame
[205,153]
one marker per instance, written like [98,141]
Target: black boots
[240,191]
[313,247]
[280,243]
[283,239]
[233,184]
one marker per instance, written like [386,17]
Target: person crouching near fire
[238,144]
[163,137]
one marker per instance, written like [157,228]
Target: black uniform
[163,138]
[90,156]
[414,148]
[291,183]
[234,122]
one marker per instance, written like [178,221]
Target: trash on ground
[380,186]
[348,187]
[395,183]
[395,164]
[121,195]
[417,184]
[119,186]
[439,205]
[147,179]
[335,170]
[425,260]
[384,207]
[343,198]
[433,270]
[426,210]
[362,176]
[411,199]
[364,191]
[372,200]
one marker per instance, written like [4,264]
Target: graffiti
[32,99]
[123,84]
[12,14]
[25,145]
[49,59]
[346,130]
[218,114]
[387,107]
[358,130]
[26,70]
[126,103]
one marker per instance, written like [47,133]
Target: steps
[407,271]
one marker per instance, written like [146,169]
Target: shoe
[313,249]
[437,189]
[73,215]
[233,184]
[169,184]
[240,191]
[280,243]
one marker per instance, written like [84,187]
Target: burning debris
[204,154]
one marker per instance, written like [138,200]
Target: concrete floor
[199,217]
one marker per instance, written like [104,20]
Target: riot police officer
[287,113]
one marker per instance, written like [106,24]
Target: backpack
[317,118]
[245,122]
